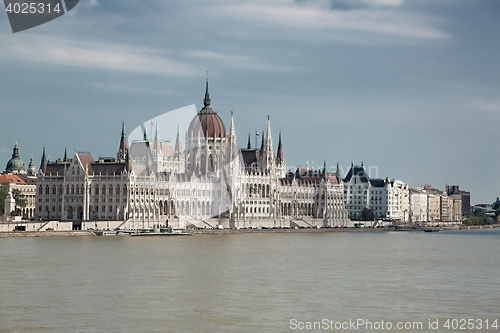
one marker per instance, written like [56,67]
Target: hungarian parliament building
[210,183]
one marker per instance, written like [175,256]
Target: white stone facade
[432,205]
[211,182]
[387,198]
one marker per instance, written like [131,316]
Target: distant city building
[428,204]
[454,190]
[16,177]
[387,198]
[211,182]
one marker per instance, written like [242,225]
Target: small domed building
[15,177]
[15,165]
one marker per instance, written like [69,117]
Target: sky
[408,87]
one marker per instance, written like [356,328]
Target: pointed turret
[122,150]
[249,144]
[178,144]
[157,143]
[233,145]
[262,142]
[232,133]
[65,159]
[280,156]
[206,100]
[44,161]
[337,173]
[268,150]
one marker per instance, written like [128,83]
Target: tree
[367,215]
[20,199]
[496,204]
[479,217]
[3,195]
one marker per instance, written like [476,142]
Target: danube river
[250,282]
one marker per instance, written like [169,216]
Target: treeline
[479,217]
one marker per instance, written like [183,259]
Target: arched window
[54,189]
[60,189]
[40,189]
[47,190]
[110,190]
[104,189]
[97,189]
[72,189]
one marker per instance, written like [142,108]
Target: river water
[248,282]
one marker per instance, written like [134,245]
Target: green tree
[496,204]
[3,195]
[20,199]
[367,215]
[479,217]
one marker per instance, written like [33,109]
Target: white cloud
[241,62]
[487,106]
[317,19]
[354,4]
[131,89]
[90,3]
[95,55]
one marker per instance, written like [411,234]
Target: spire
[206,100]
[65,159]
[122,150]
[233,145]
[262,143]
[269,139]
[280,156]
[337,173]
[178,145]
[249,144]
[232,133]
[324,167]
[156,144]
[128,164]
[43,162]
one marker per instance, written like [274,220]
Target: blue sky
[410,88]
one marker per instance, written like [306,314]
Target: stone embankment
[241,231]
[45,233]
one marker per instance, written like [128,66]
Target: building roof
[9,178]
[357,170]
[250,156]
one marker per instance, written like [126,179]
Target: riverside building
[16,177]
[211,183]
[387,198]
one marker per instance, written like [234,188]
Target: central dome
[207,123]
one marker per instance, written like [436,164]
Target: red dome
[207,124]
